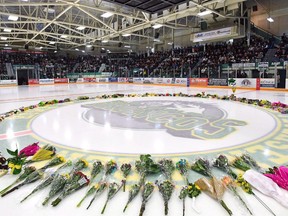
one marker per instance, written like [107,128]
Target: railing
[265,34]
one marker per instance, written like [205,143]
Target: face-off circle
[154,125]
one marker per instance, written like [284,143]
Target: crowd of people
[282,50]
[178,62]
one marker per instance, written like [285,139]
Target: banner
[211,35]
[263,64]
[80,80]
[101,79]
[61,80]
[46,81]
[269,83]
[88,79]
[137,80]
[218,82]
[33,82]
[181,81]
[249,83]
[202,82]
[148,80]
[113,79]
[8,82]
[122,79]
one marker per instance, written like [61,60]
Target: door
[281,78]
[22,76]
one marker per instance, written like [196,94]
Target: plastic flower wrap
[97,167]
[279,176]
[133,192]
[215,189]
[146,195]
[57,186]
[30,150]
[112,191]
[228,182]
[248,189]
[222,163]
[126,169]
[54,162]
[193,191]
[77,181]
[182,196]
[183,166]
[110,168]
[33,177]
[97,189]
[47,181]
[27,171]
[79,165]
[202,166]
[251,162]
[166,189]
[44,153]
[266,186]
[146,166]
[241,164]
[167,167]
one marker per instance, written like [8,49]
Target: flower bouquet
[3,166]
[241,164]
[248,189]
[97,189]
[44,153]
[126,169]
[202,166]
[193,191]
[146,166]
[54,162]
[146,195]
[15,163]
[47,181]
[251,162]
[167,167]
[29,150]
[166,189]
[32,177]
[182,196]
[77,181]
[133,192]
[79,165]
[97,168]
[27,171]
[279,176]
[112,191]
[215,189]
[110,168]
[228,183]
[182,166]
[221,163]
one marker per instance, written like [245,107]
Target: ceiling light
[6,45]
[88,45]
[64,36]
[270,19]
[156,26]
[107,14]
[52,42]
[127,46]
[170,43]
[3,38]
[83,51]
[7,30]
[103,48]
[13,18]
[80,28]
[126,35]
[204,13]
[55,51]
[49,10]
[104,41]
[77,49]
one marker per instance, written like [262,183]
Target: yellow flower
[197,187]
[85,162]
[67,176]
[62,159]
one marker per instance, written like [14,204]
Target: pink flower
[29,150]
[280,177]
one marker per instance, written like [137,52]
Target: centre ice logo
[185,119]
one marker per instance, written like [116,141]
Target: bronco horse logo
[185,119]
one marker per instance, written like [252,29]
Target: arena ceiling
[73,24]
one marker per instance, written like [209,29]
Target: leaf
[13,153]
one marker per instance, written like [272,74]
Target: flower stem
[13,189]
[183,203]
[56,202]
[264,204]
[79,204]
[142,209]
[226,207]
[166,207]
[103,210]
